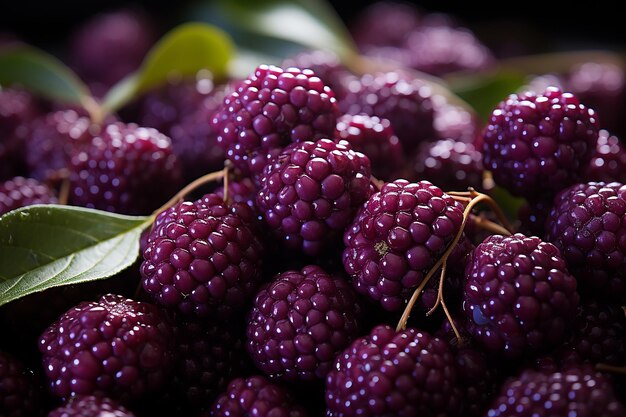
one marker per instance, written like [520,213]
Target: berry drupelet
[537,144]
[588,225]
[396,238]
[310,192]
[326,65]
[91,406]
[113,347]
[125,169]
[608,163]
[519,297]
[203,257]
[272,108]
[300,322]
[388,373]
[20,192]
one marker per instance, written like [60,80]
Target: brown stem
[226,181]
[489,226]
[603,367]
[439,291]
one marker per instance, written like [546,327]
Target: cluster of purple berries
[277,293]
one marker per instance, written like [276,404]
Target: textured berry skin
[255,396]
[575,392]
[375,138]
[18,393]
[538,144]
[125,169]
[115,347]
[402,99]
[608,163]
[300,323]
[588,224]
[326,65]
[519,297]
[389,373]
[448,163]
[310,192]
[91,406]
[271,109]
[20,192]
[203,258]
[52,141]
[397,237]
[17,110]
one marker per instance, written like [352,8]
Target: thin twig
[226,181]
[489,226]
[603,367]
[439,290]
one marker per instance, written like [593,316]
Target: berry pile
[329,255]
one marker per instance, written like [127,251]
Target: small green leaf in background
[182,52]
[43,74]
[483,91]
[509,204]
[44,246]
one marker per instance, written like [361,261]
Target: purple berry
[519,297]
[91,406]
[608,163]
[300,322]
[243,190]
[389,373]
[310,192]
[19,396]
[255,396]
[114,347]
[125,169]
[17,110]
[456,122]
[271,109]
[21,192]
[385,23]
[397,96]
[203,258]
[537,144]
[326,65]
[588,224]
[397,237]
[575,392]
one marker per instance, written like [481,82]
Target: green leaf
[43,74]
[509,204]
[280,27]
[45,246]
[182,52]
[483,91]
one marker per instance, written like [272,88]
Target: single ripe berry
[537,144]
[20,192]
[203,258]
[404,100]
[125,169]
[575,392]
[588,224]
[388,373]
[19,396]
[113,347]
[310,192]
[91,406]
[300,322]
[608,163]
[519,297]
[375,138]
[272,108]
[255,396]
[396,238]
[450,164]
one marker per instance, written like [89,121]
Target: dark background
[542,25]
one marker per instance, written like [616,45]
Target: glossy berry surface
[537,144]
[91,406]
[608,163]
[18,390]
[20,192]
[310,192]
[125,169]
[300,322]
[388,373]
[519,296]
[397,237]
[272,108]
[113,347]
[202,258]
[588,224]
[326,65]
[575,392]
[255,396]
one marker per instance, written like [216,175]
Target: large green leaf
[43,74]
[182,52]
[44,246]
